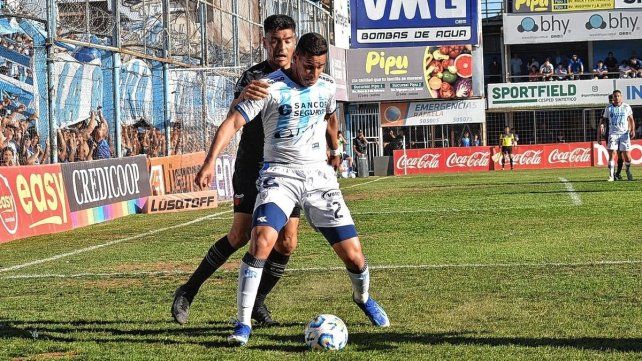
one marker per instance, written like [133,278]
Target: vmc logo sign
[386,23]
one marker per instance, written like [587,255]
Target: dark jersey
[250,152]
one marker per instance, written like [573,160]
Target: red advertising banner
[32,202]
[601,154]
[438,160]
[176,173]
[545,156]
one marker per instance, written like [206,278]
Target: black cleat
[618,176]
[263,317]
[180,306]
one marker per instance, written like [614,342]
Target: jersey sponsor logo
[331,194]
[476,159]
[577,155]
[285,109]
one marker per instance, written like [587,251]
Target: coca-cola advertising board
[544,156]
[32,202]
[601,154]
[440,160]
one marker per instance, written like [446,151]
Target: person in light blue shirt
[575,67]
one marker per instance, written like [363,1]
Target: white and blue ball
[326,332]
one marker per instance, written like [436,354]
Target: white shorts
[621,142]
[314,188]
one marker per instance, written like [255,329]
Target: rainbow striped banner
[101,214]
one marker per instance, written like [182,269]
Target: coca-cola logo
[577,155]
[476,159]
[529,157]
[426,161]
[8,209]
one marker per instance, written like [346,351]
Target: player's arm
[254,90]
[332,137]
[631,126]
[224,134]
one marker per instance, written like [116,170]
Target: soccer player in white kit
[298,120]
[619,117]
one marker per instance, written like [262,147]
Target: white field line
[575,197]
[110,243]
[364,183]
[323,269]
[441,210]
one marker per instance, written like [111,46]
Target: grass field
[505,265]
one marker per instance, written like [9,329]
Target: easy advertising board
[402,23]
[545,28]
[432,113]
[32,202]
[427,72]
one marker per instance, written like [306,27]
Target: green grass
[468,266]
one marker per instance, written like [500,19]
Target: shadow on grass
[388,340]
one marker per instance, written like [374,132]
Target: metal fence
[155,75]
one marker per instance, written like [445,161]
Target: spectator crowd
[573,68]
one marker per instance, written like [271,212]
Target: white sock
[360,285]
[249,278]
[611,168]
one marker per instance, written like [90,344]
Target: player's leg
[244,198]
[620,164]
[503,157]
[277,198]
[327,212]
[612,148]
[275,267]
[625,151]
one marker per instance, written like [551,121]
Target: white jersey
[293,118]
[618,118]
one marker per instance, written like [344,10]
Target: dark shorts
[507,150]
[245,193]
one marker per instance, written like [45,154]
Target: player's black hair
[616,91]
[278,22]
[313,44]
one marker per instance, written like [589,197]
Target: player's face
[617,98]
[507,130]
[280,46]
[309,67]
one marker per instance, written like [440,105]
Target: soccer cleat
[617,176]
[180,306]
[611,179]
[629,175]
[262,316]
[240,335]
[375,313]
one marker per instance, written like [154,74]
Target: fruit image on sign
[448,71]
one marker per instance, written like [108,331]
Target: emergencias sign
[432,113]
[394,23]
[566,27]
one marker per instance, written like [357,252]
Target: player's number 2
[336,211]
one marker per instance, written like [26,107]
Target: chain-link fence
[128,77]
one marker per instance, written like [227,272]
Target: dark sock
[620,163]
[215,257]
[511,163]
[503,162]
[272,273]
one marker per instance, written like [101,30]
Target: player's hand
[335,161]
[632,133]
[204,177]
[256,90]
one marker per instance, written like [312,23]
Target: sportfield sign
[578,93]
[566,27]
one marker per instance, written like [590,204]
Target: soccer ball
[327,333]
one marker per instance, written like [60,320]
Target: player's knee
[263,239]
[287,244]
[238,237]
